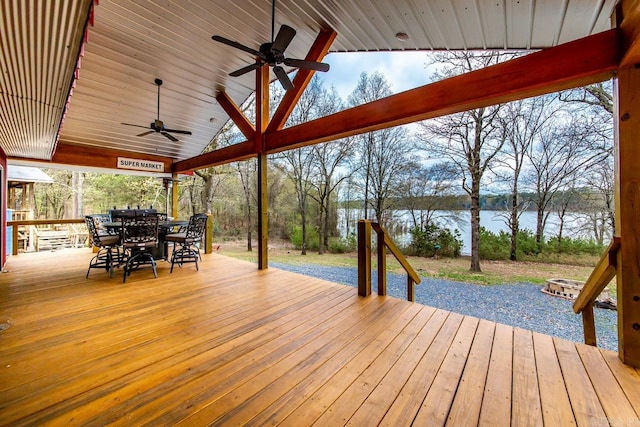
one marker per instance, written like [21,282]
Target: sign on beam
[140,165]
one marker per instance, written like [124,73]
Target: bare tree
[329,158]
[565,150]
[522,122]
[77,184]
[470,140]
[299,163]
[425,187]
[247,171]
[383,155]
[597,95]
[596,101]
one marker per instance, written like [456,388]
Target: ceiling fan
[272,53]
[157,125]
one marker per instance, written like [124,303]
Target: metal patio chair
[185,248]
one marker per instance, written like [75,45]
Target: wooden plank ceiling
[131,43]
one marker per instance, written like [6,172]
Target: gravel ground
[521,305]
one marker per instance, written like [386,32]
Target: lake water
[493,221]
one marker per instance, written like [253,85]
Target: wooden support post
[627,156]
[411,287]
[589,325]
[262,121]
[174,196]
[263,217]
[14,239]
[208,235]
[364,258]
[382,265]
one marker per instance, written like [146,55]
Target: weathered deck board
[232,345]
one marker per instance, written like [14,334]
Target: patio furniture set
[133,238]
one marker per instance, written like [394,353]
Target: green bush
[494,246]
[425,241]
[498,246]
[312,238]
[343,245]
[573,246]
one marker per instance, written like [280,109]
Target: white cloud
[403,70]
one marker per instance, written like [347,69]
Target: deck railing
[384,242]
[36,222]
[208,241]
[604,271]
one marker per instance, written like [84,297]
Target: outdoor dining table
[164,228]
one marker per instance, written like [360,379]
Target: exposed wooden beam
[82,155]
[232,153]
[629,15]
[318,51]
[240,120]
[578,63]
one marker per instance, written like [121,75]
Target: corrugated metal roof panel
[39,44]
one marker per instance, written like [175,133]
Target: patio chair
[106,244]
[139,235]
[185,248]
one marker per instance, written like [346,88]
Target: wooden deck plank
[404,409]
[496,401]
[467,403]
[626,376]
[210,370]
[156,356]
[96,348]
[354,395]
[358,355]
[374,408]
[587,409]
[437,403]
[556,407]
[619,410]
[525,400]
[230,344]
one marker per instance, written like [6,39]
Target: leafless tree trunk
[522,122]
[470,140]
[423,190]
[247,173]
[383,154]
[563,153]
[77,183]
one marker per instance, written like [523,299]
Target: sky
[403,70]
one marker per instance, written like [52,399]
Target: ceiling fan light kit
[273,54]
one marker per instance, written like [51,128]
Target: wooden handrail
[17,223]
[207,244]
[364,260]
[604,271]
[46,221]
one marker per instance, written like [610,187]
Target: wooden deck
[232,345]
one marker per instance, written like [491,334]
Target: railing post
[364,258]
[14,240]
[382,264]
[208,235]
[410,289]
[589,325]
